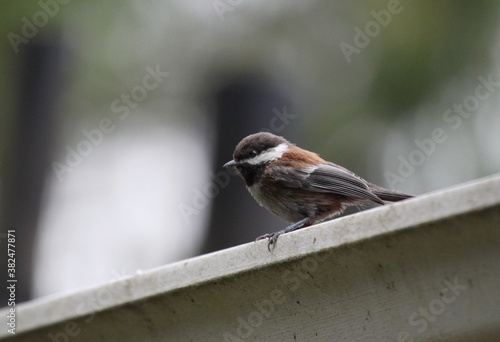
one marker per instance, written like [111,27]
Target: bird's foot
[272,237]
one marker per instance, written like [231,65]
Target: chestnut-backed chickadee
[297,185]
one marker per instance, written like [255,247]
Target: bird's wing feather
[326,178]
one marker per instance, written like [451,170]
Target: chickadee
[297,185]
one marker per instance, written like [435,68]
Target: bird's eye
[253,153]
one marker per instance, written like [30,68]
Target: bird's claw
[272,237]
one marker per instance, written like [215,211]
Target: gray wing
[327,178]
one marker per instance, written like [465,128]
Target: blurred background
[117,116]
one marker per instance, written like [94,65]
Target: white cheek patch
[267,156]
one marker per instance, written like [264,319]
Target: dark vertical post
[244,105]
[39,82]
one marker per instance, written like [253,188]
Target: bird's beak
[231,163]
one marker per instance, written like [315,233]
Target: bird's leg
[273,237]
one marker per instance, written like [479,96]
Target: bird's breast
[257,193]
[277,202]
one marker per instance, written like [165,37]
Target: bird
[299,186]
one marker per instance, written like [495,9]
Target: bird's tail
[388,195]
